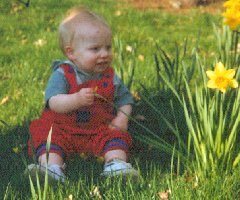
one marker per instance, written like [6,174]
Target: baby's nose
[105,53]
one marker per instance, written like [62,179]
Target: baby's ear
[69,52]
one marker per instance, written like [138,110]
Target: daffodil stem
[235,48]
[232,48]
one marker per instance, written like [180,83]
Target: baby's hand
[119,123]
[86,96]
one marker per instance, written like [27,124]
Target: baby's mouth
[103,64]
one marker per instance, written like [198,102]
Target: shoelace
[127,165]
[54,172]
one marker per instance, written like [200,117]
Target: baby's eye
[109,47]
[94,48]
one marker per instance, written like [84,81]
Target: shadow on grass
[13,151]
[169,107]
[13,148]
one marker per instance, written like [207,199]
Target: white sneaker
[119,167]
[55,172]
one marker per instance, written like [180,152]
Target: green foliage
[212,119]
[167,43]
[213,122]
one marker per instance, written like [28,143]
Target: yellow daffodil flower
[232,14]
[232,19]
[231,3]
[221,78]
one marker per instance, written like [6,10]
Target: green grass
[24,63]
[26,66]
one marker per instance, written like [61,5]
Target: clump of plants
[208,144]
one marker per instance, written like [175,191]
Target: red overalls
[84,130]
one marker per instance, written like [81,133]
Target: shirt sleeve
[122,95]
[57,84]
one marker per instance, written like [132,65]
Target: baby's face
[92,49]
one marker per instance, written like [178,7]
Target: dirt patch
[176,5]
[150,4]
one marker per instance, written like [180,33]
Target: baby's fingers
[89,90]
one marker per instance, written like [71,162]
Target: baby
[87,105]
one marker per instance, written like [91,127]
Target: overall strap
[70,76]
[108,74]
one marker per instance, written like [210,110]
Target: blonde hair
[75,17]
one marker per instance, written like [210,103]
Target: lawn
[148,44]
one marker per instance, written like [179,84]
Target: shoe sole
[131,175]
